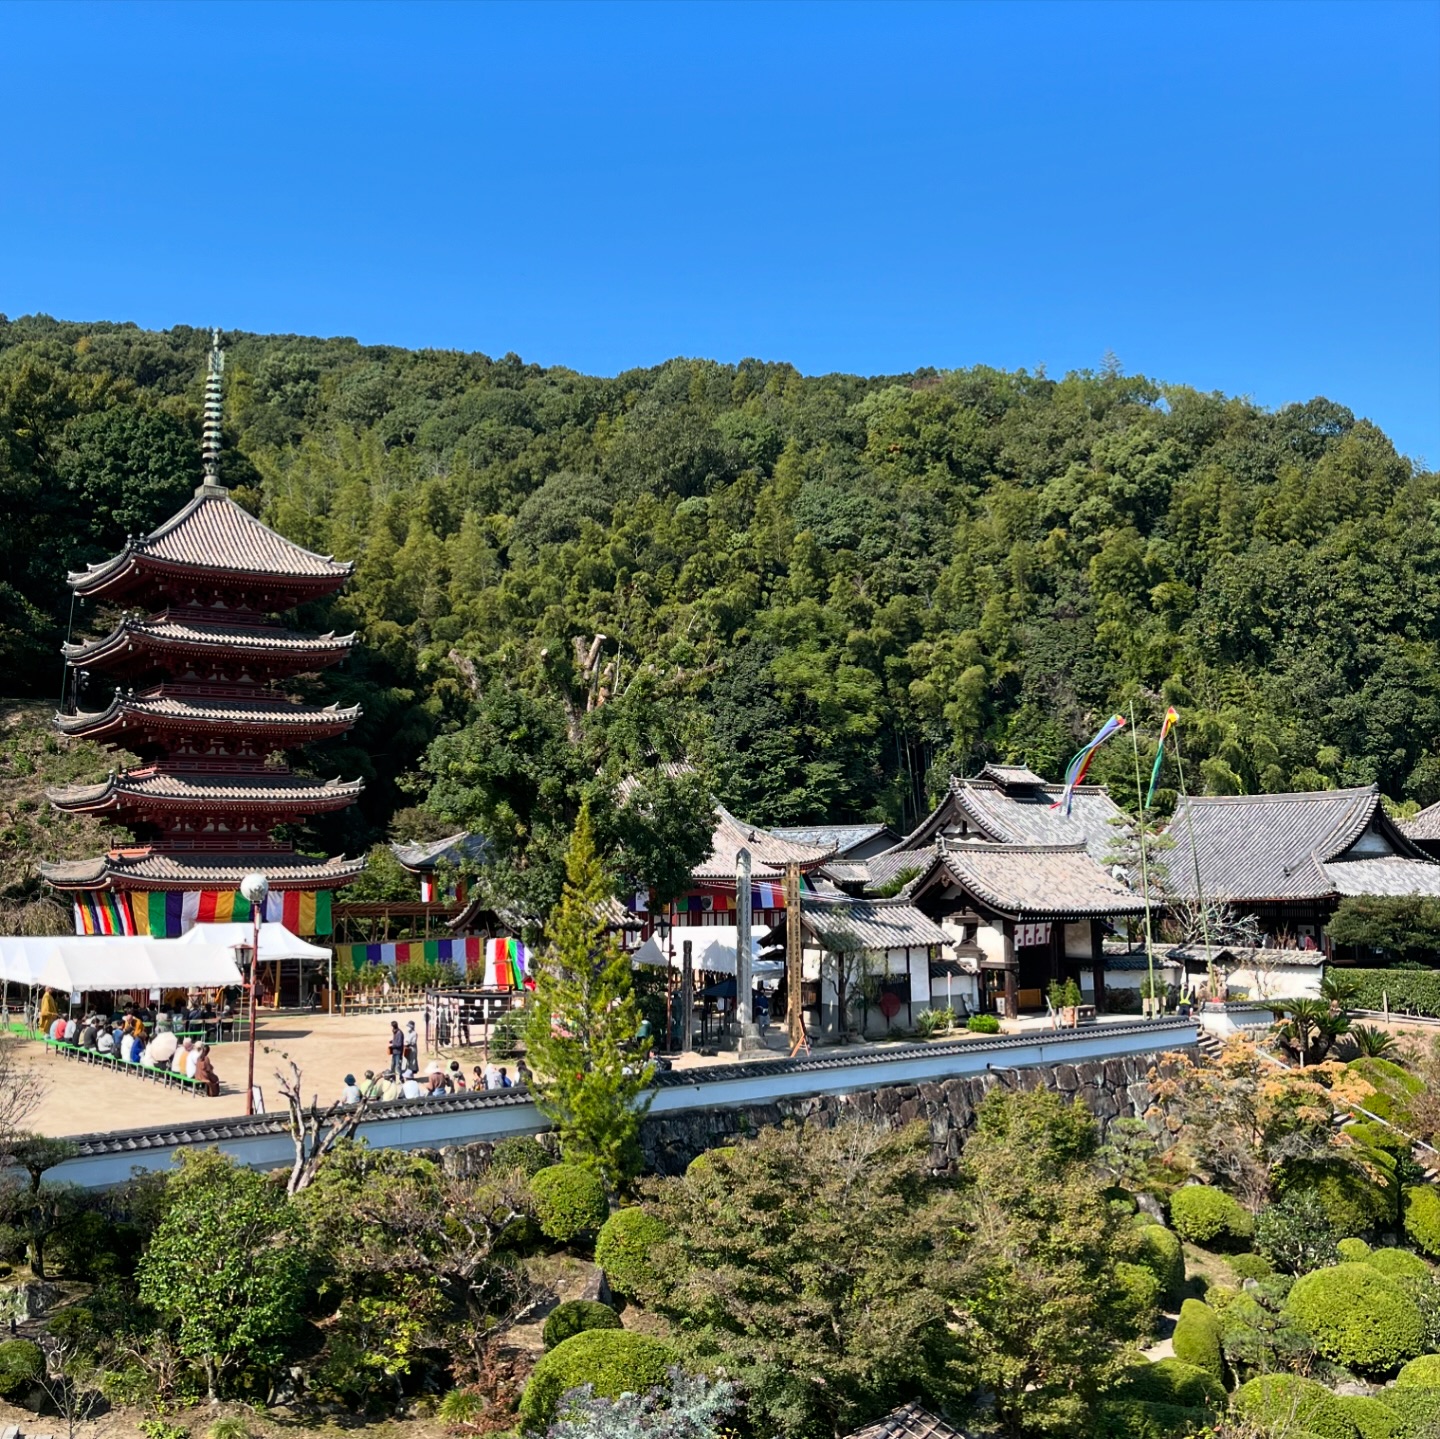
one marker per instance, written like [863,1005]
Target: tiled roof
[1286,846]
[846,925]
[1423,826]
[1011,774]
[768,853]
[1035,881]
[1020,812]
[192,634]
[1238,957]
[259,791]
[173,713]
[452,850]
[837,837]
[1387,874]
[886,868]
[909,1421]
[163,871]
[212,532]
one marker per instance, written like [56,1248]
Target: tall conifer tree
[582,1017]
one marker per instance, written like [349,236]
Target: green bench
[168,1077]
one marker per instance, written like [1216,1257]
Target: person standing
[397,1049]
[412,1046]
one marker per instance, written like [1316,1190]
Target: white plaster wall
[1301,981]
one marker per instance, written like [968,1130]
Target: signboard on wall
[1032,936]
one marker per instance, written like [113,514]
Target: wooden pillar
[1012,966]
[687,998]
[1097,962]
[794,977]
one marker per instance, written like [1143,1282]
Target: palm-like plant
[1310,1028]
[1339,989]
[1372,1042]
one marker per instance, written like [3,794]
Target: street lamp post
[256,889]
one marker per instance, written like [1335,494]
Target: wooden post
[687,998]
[795,1015]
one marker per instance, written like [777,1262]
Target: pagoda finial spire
[210,436]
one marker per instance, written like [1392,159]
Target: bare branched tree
[22,1088]
[313,1132]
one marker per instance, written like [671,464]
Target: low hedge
[1415,991]
[1197,1338]
[569,1202]
[1206,1215]
[1357,1317]
[575,1316]
[613,1361]
[983,1024]
[1422,1218]
[1286,1403]
[625,1250]
[1162,1255]
[1421,1373]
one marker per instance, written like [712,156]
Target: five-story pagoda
[199,663]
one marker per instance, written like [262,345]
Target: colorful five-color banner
[167,914]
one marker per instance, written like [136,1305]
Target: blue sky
[1236,197]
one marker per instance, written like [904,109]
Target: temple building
[198,664]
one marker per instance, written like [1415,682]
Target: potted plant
[1070,1013]
[1152,996]
[1056,996]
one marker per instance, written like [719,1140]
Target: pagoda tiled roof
[151,870]
[212,533]
[137,789]
[167,633]
[170,712]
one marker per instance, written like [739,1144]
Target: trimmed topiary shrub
[1421,1373]
[1352,1251]
[1137,1419]
[1205,1215]
[21,1364]
[1373,1417]
[702,1161]
[1398,1264]
[1353,1204]
[1197,1338]
[983,1024]
[1287,1403]
[1419,1408]
[521,1152]
[574,1317]
[1161,1254]
[1422,1218]
[1357,1317]
[1139,1296]
[613,1361]
[569,1202]
[1252,1266]
[1173,1381]
[624,1250]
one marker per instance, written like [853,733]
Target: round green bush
[575,1316]
[1205,1215]
[1138,1296]
[1418,1408]
[1353,1204]
[1286,1402]
[1161,1254]
[1421,1373]
[1422,1218]
[1357,1317]
[702,1161]
[1173,1381]
[983,1024]
[614,1361]
[625,1250]
[569,1202]
[1252,1266]
[1352,1251]
[1398,1264]
[1138,1419]
[21,1364]
[521,1152]
[1197,1338]
[1372,1417]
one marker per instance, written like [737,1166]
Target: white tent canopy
[276,942]
[712,950]
[102,962]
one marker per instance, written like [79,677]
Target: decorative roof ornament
[214,402]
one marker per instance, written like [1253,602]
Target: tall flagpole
[1195,863]
[1144,863]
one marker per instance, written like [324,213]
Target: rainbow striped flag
[467,953]
[167,914]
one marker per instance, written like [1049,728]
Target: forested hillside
[829,592]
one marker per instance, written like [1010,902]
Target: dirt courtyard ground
[88,1098]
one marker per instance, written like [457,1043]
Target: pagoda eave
[118,649]
[149,871]
[142,573]
[126,721]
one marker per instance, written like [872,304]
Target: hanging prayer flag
[1079,766]
[1171,719]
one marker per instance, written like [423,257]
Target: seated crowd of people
[405,1083]
[138,1037]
